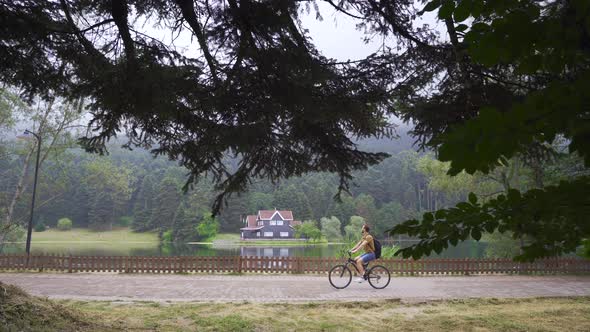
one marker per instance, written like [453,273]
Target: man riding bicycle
[368,245]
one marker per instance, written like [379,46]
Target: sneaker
[360,279]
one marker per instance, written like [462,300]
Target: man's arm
[355,246]
[360,245]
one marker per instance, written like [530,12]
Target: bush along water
[40,226]
[64,224]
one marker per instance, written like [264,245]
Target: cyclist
[368,245]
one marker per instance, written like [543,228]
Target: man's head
[365,229]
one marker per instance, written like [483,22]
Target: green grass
[81,241]
[21,312]
[86,235]
[227,237]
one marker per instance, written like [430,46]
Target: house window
[260,223]
[273,223]
[284,234]
[279,223]
[258,234]
[268,234]
[284,252]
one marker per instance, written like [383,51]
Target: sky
[336,35]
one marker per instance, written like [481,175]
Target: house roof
[251,221]
[251,228]
[294,223]
[268,214]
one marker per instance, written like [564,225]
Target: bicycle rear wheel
[379,277]
[340,276]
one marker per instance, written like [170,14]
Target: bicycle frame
[352,262]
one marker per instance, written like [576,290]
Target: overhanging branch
[188,13]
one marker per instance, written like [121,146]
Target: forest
[132,188]
[246,99]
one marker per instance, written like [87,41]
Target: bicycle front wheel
[379,277]
[340,276]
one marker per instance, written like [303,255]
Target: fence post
[239,270]
[70,263]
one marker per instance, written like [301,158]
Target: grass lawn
[558,314]
[227,237]
[82,241]
[466,315]
[86,235]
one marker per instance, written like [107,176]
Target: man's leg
[359,265]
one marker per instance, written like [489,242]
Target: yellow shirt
[370,246]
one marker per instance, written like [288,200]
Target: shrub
[167,236]
[353,229]
[15,233]
[125,221]
[389,251]
[308,230]
[585,249]
[331,228]
[40,226]
[64,224]
[208,227]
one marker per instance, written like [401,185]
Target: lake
[467,249]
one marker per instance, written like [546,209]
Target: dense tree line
[131,188]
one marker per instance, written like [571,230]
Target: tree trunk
[20,188]
[419,205]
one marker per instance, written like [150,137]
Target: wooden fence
[254,264]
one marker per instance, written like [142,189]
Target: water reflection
[466,249]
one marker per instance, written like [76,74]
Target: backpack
[377,245]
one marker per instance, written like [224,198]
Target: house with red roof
[269,224]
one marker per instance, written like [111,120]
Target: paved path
[290,288]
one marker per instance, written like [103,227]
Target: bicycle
[340,276]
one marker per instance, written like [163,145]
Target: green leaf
[472,198]
[437,246]
[476,8]
[432,5]
[446,10]
[462,11]
[490,226]
[461,27]
[416,254]
[476,234]
[440,214]
[463,206]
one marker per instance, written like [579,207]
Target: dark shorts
[368,257]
